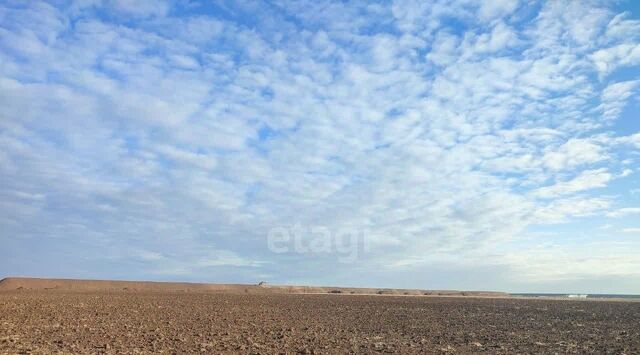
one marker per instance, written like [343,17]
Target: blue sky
[473,145]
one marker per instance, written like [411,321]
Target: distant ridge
[26,283]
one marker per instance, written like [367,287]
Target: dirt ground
[48,321]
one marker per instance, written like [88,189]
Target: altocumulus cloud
[481,145]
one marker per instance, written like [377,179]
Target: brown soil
[24,283]
[46,321]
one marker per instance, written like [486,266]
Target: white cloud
[201,160]
[140,8]
[183,61]
[588,179]
[492,9]
[501,37]
[622,212]
[626,172]
[621,27]
[561,262]
[574,152]
[615,96]
[446,128]
[444,48]
[610,59]
[561,210]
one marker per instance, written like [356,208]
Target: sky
[441,145]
